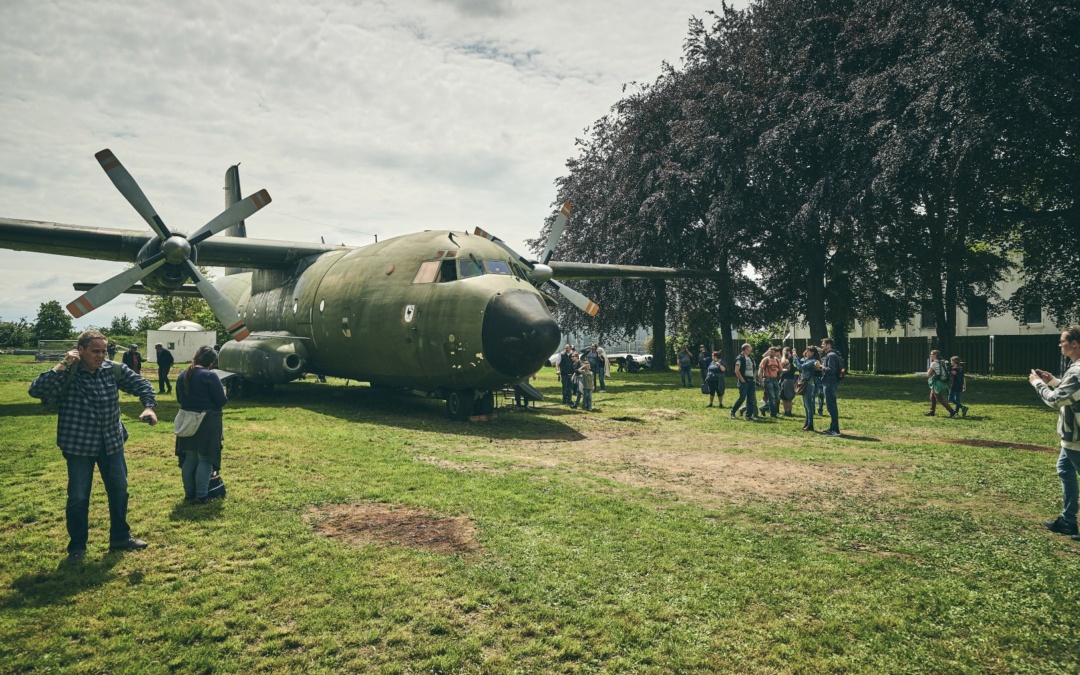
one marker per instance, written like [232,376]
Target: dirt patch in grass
[710,477]
[983,443]
[386,524]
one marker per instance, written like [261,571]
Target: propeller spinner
[176,249]
[539,272]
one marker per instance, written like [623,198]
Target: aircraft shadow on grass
[402,410]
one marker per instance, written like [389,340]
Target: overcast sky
[360,118]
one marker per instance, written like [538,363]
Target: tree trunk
[659,321]
[815,297]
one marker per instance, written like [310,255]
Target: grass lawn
[365,532]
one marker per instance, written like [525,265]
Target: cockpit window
[496,267]
[427,272]
[441,271]
[470,267]
[448,272]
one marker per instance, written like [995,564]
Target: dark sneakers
[1060,526]
[132,544]
[76,557]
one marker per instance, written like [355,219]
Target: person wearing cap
[133,359]
[164,364]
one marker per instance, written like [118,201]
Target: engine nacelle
[266,358]
[168,277]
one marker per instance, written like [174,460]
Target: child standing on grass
[587,385]
[958,385]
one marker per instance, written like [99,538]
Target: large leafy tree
[52,323]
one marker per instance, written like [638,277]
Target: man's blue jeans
[685,378]
[772,389]
[830,404]
[748,393]
[567,388]
[808,403]
[1068,461]
[113,470]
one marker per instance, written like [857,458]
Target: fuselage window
[470,267]
[427,272]
[448,271]
[496,267]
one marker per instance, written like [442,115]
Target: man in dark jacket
[164,364]
[566,374]
[133,359]
[831,367]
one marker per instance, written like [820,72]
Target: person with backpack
[745,373]
[85,388]
[957,384]
[1064,394]
[832,371]
[937,378]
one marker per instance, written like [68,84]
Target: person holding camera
[85,388]
[1064,395]
[200,394]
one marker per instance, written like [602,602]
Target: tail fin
[232,195]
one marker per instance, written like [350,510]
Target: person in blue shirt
[199,390]
[831,365]
[84,387]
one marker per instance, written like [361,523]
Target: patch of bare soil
[709,477]
[981,443]
[386,524]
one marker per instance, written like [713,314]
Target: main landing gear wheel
[459,404]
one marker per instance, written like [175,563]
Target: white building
[182,338]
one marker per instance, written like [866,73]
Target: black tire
[459,404]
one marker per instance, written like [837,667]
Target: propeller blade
[109,289]
[231,216]
[487,235]
[577,299]
[131,191]
[557,228]
[221,308]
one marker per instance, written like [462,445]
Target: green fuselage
[433,311]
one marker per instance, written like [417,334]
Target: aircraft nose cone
[518,333]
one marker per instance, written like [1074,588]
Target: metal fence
[982,354]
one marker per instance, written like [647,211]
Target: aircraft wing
[575,270]
[101,243]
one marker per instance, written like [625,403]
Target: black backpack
[943,371]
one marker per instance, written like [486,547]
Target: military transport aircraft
[442,313]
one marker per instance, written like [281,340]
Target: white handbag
[187,423]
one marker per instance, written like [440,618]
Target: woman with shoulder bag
[199,391]
[937,378]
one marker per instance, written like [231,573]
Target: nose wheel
[459,404]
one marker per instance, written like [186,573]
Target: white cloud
[374,117]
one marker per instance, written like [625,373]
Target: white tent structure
[182,338]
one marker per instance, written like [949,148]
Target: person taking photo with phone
[1064,395]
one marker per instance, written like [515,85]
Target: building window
[1032,313]
[926,317]
[976,312]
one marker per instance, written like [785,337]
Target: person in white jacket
[1064,394]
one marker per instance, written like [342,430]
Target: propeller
[539,272]
[176,249]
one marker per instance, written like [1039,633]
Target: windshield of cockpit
[452,269]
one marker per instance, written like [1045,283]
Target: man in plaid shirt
[89,432]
